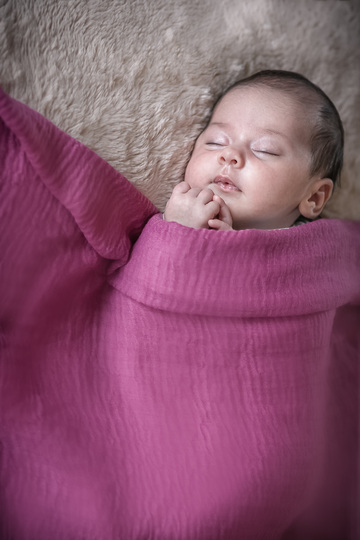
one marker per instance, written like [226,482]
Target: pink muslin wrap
[165,383]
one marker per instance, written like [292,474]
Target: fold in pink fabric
[160,382]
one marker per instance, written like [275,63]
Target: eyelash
[256,151]
[265,152]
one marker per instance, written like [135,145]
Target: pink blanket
[165,383]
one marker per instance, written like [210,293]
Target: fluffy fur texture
[134,79]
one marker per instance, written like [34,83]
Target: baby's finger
[219,225]
[206,195]
[183,187]
[224,212]
[211,209]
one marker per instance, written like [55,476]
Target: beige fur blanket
[135,79]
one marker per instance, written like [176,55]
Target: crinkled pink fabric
[165,383]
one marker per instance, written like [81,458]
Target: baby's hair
[327,138]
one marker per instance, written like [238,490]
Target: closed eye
[213,144]
[266,152]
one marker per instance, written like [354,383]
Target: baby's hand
[193,207]
[223,221]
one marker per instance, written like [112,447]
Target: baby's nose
[229,156]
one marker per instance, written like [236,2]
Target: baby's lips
[225,183]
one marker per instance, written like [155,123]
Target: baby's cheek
[193,176]
[188,174]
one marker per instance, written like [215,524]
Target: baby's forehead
[264,99]
[266,95]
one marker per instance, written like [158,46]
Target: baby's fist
[192,207]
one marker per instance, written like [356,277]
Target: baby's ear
[318,195]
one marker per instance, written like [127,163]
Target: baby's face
[255,154]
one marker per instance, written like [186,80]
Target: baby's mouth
[224,183]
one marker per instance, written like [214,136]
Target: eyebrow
[275,132]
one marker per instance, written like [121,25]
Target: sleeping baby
[269,157]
